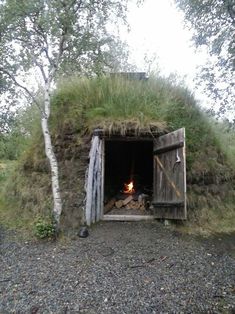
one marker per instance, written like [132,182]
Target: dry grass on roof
[130,127]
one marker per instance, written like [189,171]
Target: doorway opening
[131,178]
[128,178]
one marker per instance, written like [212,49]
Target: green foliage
[11,214]
[44,228]
[11,145]
[3,172]
[14,142]
[69,35]
[213,23]
[226,138]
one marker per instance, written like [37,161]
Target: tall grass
[226,137]
[104,101]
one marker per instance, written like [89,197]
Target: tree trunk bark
[57,206]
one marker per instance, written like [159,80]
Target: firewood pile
[129,202]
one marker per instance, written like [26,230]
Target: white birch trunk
[57,203]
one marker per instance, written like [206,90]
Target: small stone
[83,232]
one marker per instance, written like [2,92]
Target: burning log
[129,188]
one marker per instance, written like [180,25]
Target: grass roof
[121,106]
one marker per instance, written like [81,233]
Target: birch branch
[11,76]
[60,53]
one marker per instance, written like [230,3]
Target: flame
[129,188]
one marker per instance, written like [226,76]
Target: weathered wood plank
[102,179]
[127,217]
[94,188]
[99,181]
[167,175]
[160,150]
[89,188]
[176,213]
[170,139]
[184,178]
[170,175]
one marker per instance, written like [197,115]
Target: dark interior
[125,161]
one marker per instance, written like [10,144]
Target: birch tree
[42,39]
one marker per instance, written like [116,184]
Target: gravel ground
[120,268]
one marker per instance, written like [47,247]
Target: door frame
[116,217]
[89,215]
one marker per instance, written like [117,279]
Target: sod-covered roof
[123,106]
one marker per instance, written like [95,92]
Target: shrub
[44,228]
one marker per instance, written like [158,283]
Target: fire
[129,188]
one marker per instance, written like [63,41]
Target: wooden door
[169,192]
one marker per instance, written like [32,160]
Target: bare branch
[11,76]
[41,70]
[42,34]
[46,50]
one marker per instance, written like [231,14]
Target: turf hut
[130,150]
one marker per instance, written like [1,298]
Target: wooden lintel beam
[128,139]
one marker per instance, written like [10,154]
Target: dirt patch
[222,243]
